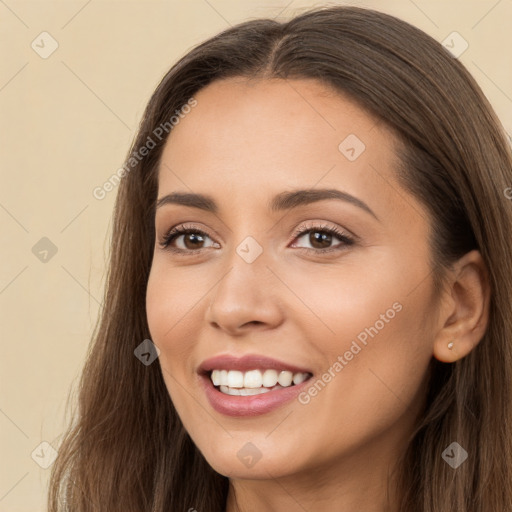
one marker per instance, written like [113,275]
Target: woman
[235,368]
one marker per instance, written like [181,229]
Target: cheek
[170,322]
[170,299]
[352,300]
[169,309]
[372,332]
[369,391]
[158,304]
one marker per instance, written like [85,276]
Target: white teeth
[219,377]
[269,378]
[299,377]
[235,379]
[254,382]
[243,391]
[285,379]
[253,379]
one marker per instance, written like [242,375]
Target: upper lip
[246,363]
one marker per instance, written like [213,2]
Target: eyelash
[302,230]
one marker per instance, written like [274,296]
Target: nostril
[253,322]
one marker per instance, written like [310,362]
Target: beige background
[67,122]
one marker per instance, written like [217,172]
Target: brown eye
[187,240]
[321,238]
[193,240]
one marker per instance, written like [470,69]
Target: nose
[245,298]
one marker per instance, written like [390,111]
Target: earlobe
[463,321]
[448,353]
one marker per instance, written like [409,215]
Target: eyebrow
[280,202]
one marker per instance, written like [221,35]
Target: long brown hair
[127,449]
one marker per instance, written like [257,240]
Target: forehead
[255,138]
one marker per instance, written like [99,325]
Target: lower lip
[253,405]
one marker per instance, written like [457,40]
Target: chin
[250,460]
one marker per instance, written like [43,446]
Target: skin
[244,142]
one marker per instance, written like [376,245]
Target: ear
[464,314]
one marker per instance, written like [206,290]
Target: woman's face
[260,274]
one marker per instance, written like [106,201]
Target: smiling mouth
[255,382]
